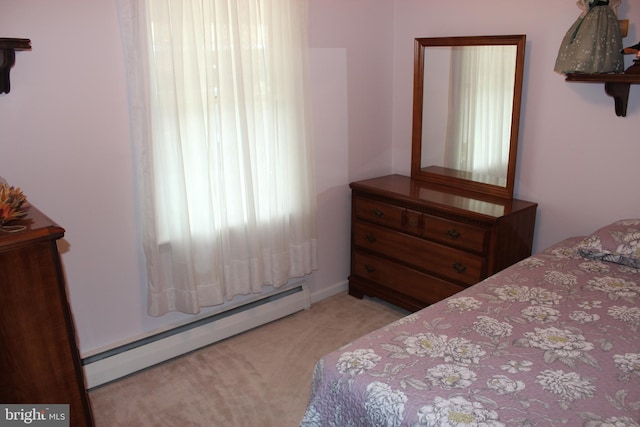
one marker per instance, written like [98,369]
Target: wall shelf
[615,85]
[8,47]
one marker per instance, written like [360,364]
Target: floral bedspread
[553,340]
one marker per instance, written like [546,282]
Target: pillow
[618,242]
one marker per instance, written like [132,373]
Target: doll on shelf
[593,44]
[632,50]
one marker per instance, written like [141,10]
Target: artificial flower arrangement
[12,203]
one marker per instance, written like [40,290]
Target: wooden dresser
[39,357]
[413,244]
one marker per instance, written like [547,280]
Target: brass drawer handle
[413,222]
[370,238]
[378,213]
[460,268]
[453,234]
[369,268]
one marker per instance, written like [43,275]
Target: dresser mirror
[466,112]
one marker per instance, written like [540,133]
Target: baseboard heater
[118,362]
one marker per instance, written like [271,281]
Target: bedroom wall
[65,142]
[65,138]
[577,159]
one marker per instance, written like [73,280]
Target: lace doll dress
[593,44]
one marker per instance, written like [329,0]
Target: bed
[553,340]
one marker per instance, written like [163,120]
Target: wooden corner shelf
[8,47]
[615,85]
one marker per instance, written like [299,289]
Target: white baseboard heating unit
[126,359]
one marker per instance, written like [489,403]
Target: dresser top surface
[415,191]
[36,226]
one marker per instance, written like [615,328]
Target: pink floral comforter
[551,341]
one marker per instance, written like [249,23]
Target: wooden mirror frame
[459,179]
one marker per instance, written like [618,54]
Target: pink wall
[352,83]
[65,137]
[577,159]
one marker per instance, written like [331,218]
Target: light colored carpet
[258,378]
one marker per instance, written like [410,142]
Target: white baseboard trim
[116,363]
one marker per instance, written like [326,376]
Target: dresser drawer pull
[369,268]
[378,213]
[460,268]
[413,222]
[453,234]
[370,238]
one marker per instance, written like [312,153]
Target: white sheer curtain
[482,81]
[219,118]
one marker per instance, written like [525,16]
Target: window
[219,114]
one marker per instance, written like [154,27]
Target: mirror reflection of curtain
[482,81]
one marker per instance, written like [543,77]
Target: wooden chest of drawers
[39,358]
[413,244]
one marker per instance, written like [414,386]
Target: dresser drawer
[443,261]
[456,234]
[389,215]
[379,212]
[447,232]
[412,283]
